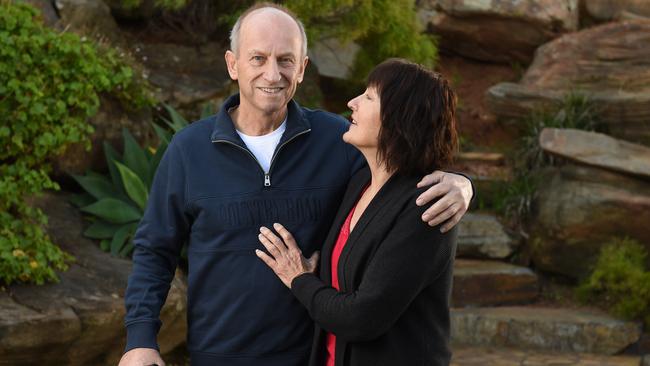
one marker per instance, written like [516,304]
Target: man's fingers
[432,193]
[437,208]
[444,216]
[430,179]
[452,222]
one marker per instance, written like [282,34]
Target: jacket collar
[224,128]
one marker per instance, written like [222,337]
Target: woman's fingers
[287,237]
[266,259]
[266,238]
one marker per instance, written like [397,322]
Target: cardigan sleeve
[409,258]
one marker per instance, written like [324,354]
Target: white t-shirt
[264,146]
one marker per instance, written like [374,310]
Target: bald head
[268,15]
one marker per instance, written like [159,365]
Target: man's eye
[257,59]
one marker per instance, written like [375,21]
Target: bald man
[261,159]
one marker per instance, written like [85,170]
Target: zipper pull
[267,180]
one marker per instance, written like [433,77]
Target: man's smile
[272,90]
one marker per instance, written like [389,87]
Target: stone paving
[481,356]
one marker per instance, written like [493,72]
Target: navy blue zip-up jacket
[210,191]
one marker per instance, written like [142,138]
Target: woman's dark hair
[418,122]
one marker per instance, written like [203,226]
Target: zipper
[267,179]
[267,175]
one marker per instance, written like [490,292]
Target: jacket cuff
[305,286]
[141,335]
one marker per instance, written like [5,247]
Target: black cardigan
[395,276]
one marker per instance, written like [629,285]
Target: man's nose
[272,72]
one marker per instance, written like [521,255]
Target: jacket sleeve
[158,242]
[409,258]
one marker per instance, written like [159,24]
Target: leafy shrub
[620,280]
[116,203]
[383,29]
[49,86]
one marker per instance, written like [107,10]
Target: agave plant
[115,203]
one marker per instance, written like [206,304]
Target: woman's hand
[286,259]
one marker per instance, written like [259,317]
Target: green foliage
[620,280]
[575,111]
[515,198]
[383,29]
[162,4]
[49,86]
[116,203]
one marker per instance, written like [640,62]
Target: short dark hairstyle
[418,117]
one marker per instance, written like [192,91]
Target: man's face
[269,63]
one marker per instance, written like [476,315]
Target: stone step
[490,356]
[543,328]
[481,235]
[484,283]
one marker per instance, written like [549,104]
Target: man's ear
[231,63]
[303,67]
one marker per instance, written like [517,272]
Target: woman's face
[366,120]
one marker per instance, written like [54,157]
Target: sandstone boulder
[601,194]
[481,235]
[495,30]
[89,17]
[537,328]
[610,64]
[48,13]
[184,75]
[606,10]
[333,58]
[78,321]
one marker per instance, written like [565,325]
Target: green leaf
[101,230]
[134,157]
[163,135]
[111,157]
[82,199]
[207,110]
[155,160]
[98,186]
[105,245]
[114,211]
[177,122]
[127,248]
[134,186]
[120,238]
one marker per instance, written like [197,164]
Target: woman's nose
[352,103]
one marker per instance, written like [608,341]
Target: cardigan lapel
[355,187]
[391,190]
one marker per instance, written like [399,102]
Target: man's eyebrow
[255,52]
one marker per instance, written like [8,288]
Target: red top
[341,240]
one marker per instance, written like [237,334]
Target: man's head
[268,57]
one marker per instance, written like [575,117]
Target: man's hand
[456,193]
[142,357]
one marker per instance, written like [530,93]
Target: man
[261,159]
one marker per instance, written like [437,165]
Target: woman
[382,297]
